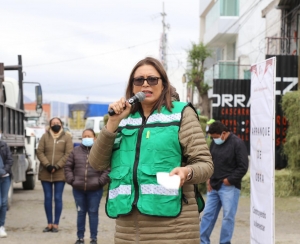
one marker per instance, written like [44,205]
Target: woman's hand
[182,172]
[122,110]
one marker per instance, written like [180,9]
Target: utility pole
[163,46]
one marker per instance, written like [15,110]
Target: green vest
[141,149]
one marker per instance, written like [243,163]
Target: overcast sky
[81,50]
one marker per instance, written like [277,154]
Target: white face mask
[219,140]
[88,142]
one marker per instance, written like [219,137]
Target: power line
[95,55]
[295,9]
[84,88]
[291,12]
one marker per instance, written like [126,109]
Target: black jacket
[230,161]
[6,157]
[80,174]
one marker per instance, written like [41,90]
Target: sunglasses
[151,80]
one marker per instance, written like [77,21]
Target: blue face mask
[219,140]
[88,142]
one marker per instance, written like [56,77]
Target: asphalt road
[26,219]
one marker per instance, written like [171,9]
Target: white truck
[96,123]
[13,130]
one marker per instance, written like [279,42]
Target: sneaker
[79,241]
[2,232]
[93,241]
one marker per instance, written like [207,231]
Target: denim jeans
[228,198]
[48,194]
[4,188]
[87,202]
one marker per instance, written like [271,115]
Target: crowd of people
[158,134]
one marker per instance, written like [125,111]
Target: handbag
[199,199]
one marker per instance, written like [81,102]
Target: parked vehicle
[96,123]
[20,138]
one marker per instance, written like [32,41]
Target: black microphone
[139,97]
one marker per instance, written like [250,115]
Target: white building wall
[252,32]
[251,39]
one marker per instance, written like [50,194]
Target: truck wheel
[29,184]
[10,194]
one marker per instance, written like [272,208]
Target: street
[26,219]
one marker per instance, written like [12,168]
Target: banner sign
[262,151]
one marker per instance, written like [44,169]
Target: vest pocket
[120,193]
[167,201]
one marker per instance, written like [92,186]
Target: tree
[291,109]
[195,72]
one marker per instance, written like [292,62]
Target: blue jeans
[48,194]
[228,198]
[4,188]
[87,202]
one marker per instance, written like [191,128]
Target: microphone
[139,97]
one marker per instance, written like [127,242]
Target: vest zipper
[136,161]
[86,168]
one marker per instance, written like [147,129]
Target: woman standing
[6,162]
[140,140]
[53,151]
[87,186]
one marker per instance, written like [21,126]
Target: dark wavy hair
[165,98]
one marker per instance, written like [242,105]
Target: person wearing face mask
[230,158]
[87,186]
[53,150]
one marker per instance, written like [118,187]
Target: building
[30,109]
[242,33]
[78,112]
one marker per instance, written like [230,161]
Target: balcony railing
[282,45]
[226,69]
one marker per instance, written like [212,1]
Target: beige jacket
[53,152]
[138,228]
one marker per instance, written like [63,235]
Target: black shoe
[79,241]
[47,229]
[55,230]
[93,241]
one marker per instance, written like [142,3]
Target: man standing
[230,160]
[6,162]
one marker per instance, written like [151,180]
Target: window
[229,7]
[247,74]
[101,124]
